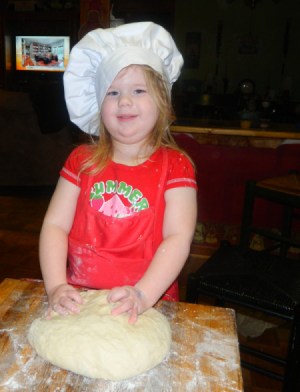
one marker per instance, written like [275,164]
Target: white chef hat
[101,54]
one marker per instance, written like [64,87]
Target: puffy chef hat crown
[101,54]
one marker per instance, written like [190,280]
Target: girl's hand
[64,299]
[131,300]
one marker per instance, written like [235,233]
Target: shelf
[277,131]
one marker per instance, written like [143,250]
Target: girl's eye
[112,93]
[139,91]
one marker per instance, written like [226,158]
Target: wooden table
[204,354]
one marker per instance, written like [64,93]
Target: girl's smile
[125,117]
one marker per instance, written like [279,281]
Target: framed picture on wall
[192,50]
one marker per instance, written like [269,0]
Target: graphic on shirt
[117,199]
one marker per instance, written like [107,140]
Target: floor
[20,223]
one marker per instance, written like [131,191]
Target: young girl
[123,214]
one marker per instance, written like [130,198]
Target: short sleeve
[71,169]
[181,172]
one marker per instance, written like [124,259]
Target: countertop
[204,354]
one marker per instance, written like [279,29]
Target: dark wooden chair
[267,281]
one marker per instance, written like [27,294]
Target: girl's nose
[125,99]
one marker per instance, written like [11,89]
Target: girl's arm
[53,247]
[178,230]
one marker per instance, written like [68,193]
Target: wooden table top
[204,354]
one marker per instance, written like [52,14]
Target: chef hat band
[98,58]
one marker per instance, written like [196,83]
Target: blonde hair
[101,147]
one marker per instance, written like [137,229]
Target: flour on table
[95,344]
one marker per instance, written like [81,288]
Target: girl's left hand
[131,300]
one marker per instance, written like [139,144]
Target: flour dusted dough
[95,344]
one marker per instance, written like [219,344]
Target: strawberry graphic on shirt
[97,201]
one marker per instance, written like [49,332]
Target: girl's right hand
[64,299]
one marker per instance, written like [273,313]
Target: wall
[27,155]
[267,22]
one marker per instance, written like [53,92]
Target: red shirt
[128,201]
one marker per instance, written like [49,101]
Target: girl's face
[129,112]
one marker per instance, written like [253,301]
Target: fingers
[123,307]
[118,294]
[133,315]
[129,307]
[48,313]
[66,305]
[129,300]
[64,300]
[75,296]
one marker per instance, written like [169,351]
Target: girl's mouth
[126,117]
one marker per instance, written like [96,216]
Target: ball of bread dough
[96,344]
